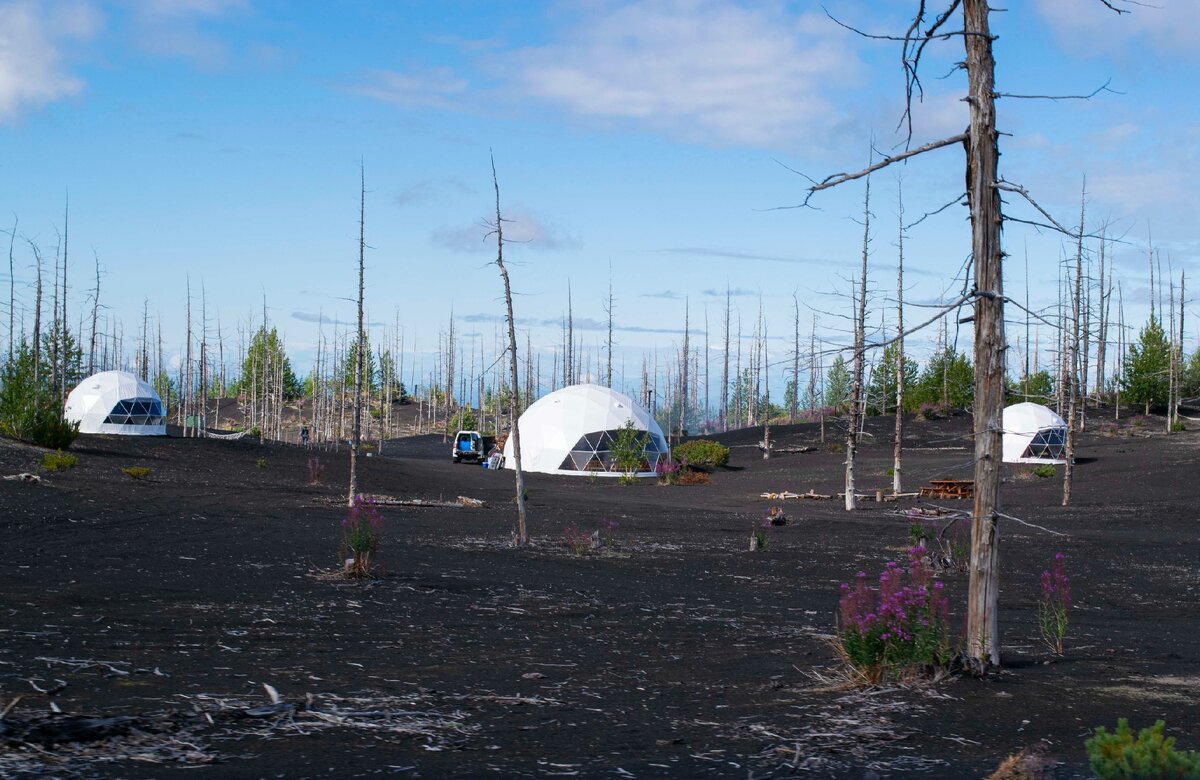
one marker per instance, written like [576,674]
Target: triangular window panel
[567,464]
[581,458]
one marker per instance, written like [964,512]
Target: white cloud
[434,87]
[173,28]
[520,227]
[32,35]
[1087,27]
[703,70]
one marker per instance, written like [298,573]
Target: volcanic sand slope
[677,653]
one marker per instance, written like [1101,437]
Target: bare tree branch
[1102,88]
[958,199]
[835,179]
[1024,193]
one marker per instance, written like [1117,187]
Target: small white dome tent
[570,431]
[1033,434]
[116,402]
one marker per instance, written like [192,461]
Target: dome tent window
[136,411]
[594,452]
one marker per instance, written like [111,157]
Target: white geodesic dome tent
[1033,434]
[116,402]
[570,431]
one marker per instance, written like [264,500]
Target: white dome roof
[116,402]
[1033,434]
[569,431]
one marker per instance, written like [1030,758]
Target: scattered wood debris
[381,500]
[788,494]
[72,745]
[25,476]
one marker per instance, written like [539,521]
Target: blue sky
[221,140]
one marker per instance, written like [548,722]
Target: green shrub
[702,453]
[261,463]
[1118,756]
[58,461]
[1045,472]
[31,410]
[629,450]
[462,420]
[1179,426]
[136,472]
[50,430]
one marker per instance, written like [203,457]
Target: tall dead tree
[683,370]
[983,187]
[899,446]
[359,345]
[983,198]
[725,369]
[856,382]
[1073,390]
[608,309]
[12,289]
[521,533]
[795,359]
[95,311]
[37,316]
[62,334]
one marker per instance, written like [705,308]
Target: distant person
[304,436]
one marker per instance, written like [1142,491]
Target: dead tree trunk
[983,637]
[609,311]
[1073,363]
[12,292]
[896,480]
[683,370]
[795,360]
[37,317]
[856,387]
[725,369]
[521,534]
[356,435]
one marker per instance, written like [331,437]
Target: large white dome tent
[116,402]
[1034,434]
[570,431]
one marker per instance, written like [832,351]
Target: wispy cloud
[732,292]
[579,323]
[432,189]
[669,295]
[520,227]
[727,254]
[703,70]
[325,319]
[176,29]
[33,37]
[438,87]
[1089,29]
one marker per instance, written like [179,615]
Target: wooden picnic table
[949,488]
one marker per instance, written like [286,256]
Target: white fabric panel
[94,399]
[553,424]
[1022,422]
